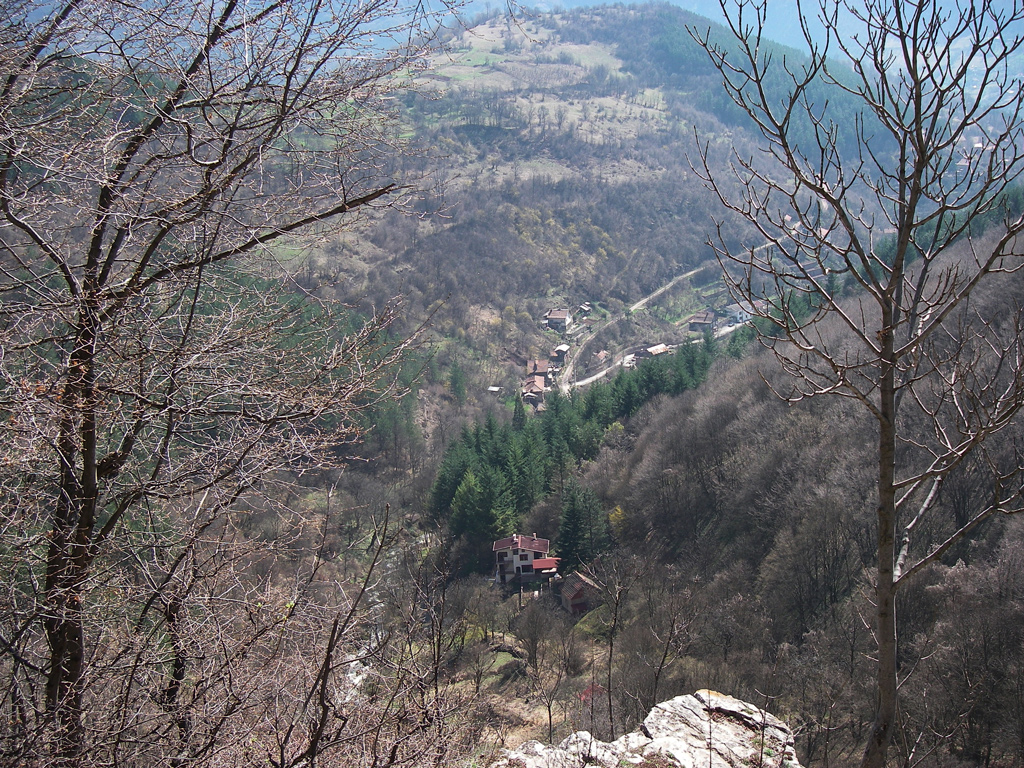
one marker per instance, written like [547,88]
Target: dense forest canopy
[937,378]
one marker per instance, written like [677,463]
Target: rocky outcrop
[706,730]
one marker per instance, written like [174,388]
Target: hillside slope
[557,149]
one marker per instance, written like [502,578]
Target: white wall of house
[514,560]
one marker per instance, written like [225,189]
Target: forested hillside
[751,499]
[561,146]
[731,542]
[729,538]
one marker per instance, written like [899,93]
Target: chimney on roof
[535,534]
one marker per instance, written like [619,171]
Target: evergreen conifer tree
[457,383]
[583,532]
[519,415]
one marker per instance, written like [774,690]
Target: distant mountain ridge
[780,26]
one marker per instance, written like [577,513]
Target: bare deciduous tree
[615,575]
[558,657]
[651,643]
[153,378]
[927,92]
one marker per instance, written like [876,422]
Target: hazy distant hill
[779,27]
[560,147]
[557,151]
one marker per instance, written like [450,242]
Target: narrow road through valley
[566,381]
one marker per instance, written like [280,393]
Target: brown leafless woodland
[160,383]
[863,241]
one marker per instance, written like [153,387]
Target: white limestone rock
[706,730]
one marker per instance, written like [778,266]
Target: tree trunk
[885,587]
[70,552]
[63,685]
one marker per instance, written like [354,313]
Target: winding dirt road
[566,380]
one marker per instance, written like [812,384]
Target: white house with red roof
[558,319]
[523,558]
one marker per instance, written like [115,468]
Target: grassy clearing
[593,55]
[477,57]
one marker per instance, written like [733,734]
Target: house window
[524,557]
[527,569]
[501,555]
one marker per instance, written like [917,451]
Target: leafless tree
[656,636]
[938,134]
[558,657]
[615,575]
[156,371]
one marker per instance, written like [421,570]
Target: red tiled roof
[576,584]
[534,384]
[545,563]
[519,541]
[590,692]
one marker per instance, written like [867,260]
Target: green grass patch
[479,57]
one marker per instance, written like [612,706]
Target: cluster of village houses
[739,313]
[541,374]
